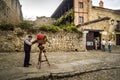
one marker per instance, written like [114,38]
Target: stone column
[84,39]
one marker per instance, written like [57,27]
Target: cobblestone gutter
[75,75]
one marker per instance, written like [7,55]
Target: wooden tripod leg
[40,59]
[46,59]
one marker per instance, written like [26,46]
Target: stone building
[10,11]
[43,20]
[96,22]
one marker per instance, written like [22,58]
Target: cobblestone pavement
[91,65]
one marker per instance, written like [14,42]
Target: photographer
[27,49]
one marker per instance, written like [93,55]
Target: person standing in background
[96,44]
[103,45]
[110,46]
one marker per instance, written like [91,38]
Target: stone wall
[61,41]
[43,20]
[10,11]
[101,25]
[96,13]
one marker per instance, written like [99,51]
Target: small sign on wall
[89,43]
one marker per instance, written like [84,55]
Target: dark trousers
[103,48]
[27,57]
[110,48]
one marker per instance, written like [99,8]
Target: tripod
[42,51]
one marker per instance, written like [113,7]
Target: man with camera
[41,39]
[27,49]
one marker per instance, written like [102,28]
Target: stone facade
[81,9]
[109,26]
[90,12]
[103,26]
[101,23]
[97,12]
[10,11]
[84,11]
[95,21]
[43,20]
[61,41]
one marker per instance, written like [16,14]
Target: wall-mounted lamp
[104,33]
[112,22]
[113,33]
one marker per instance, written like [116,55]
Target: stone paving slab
[62,64]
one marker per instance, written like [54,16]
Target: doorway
[117,39]
[90,40]
[97,36]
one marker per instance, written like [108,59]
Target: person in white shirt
[109,46]
[96,44]
[103,45]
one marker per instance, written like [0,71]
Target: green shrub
[7,26]
[49,28]
[73,28]
[68,17]
[25,25]
[66,28]
[70,28]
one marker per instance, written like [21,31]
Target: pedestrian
[27,49]
[103,45]
[109,46]
[96,44]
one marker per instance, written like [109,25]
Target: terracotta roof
[94,21]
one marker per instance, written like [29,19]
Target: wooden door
[90,41]
[117,39]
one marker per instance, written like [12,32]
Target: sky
[33,8]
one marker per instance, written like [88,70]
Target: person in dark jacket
[27,49]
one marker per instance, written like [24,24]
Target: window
[81,19]
[80,4]
[118,25]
